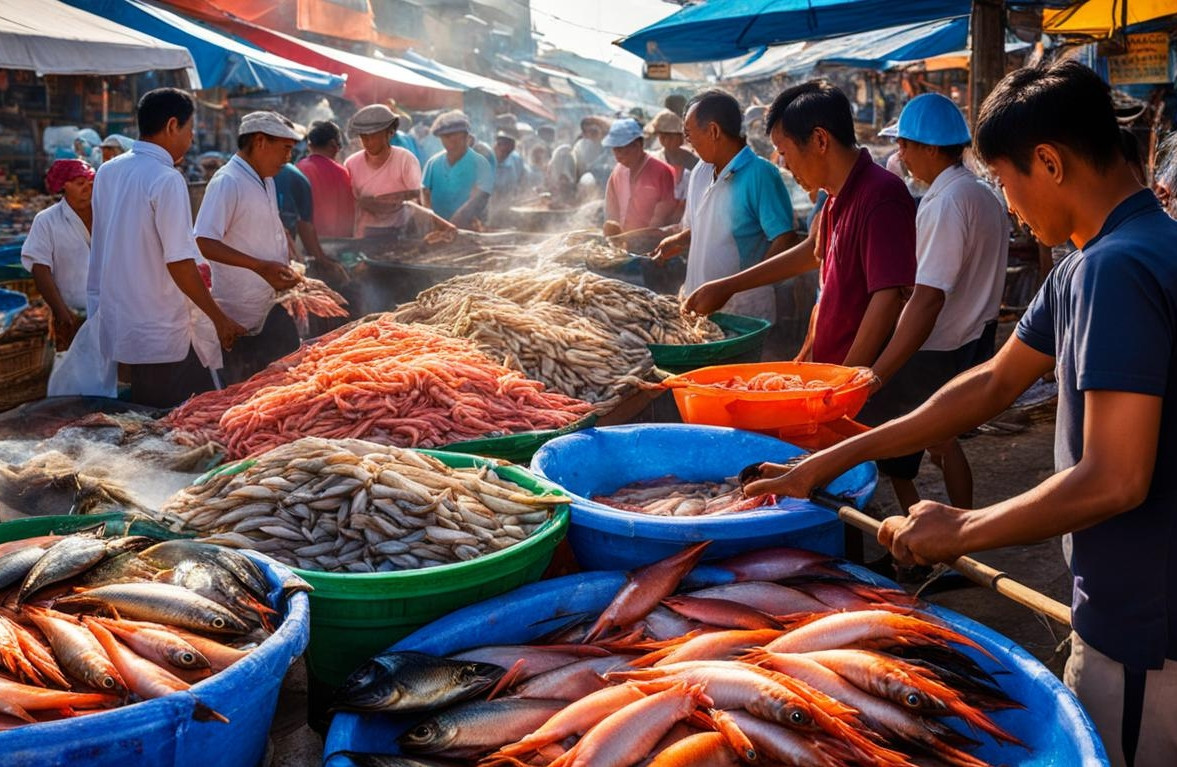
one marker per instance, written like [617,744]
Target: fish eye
[422,731]
[187,658]
[912,699]
[218,623]
[797,717]
[108,683]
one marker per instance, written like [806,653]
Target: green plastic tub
[743,344]
[356,615]
[518,448]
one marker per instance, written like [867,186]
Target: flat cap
[454,121]
[269,123]
[372,119]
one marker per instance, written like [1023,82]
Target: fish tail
[204,713]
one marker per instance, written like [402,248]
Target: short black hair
[323,132]
[721,108]
[1063,103]
[1130,147]
[245,139]
[160,105]
[803,108]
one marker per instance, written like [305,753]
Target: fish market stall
[199,635]
[725,661]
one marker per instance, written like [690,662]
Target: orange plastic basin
[797,410]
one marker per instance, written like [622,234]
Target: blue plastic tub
[1053,724]
[599,461]
[162,732]
[12,305]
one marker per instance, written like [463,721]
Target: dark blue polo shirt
[1108,314]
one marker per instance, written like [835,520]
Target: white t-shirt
[60,240]
[962,244]
[241,210]
[142,223]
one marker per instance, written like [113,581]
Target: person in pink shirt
[383,177]
[640,191]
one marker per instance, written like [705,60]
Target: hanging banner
[1147,60]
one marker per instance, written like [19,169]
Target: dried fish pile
[581,248]
[582,334]
[569,353]
[354,506]
[378,380]
[311,296]
[672,497]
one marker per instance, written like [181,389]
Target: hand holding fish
[930,533]
[795,479]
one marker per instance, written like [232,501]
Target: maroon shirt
[335,206]
[868,242]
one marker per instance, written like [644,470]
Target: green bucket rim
[520,443]
[750,331]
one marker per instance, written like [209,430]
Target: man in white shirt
[239,230]
[949,323]
[157,315]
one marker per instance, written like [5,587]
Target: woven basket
[23,357]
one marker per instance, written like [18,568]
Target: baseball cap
[934,120]
[623,132]
[269,123]
[666,122]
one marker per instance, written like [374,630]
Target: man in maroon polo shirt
[865,246]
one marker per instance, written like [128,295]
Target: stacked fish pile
[821,672]
[90,623]
[579,333]
[377,380]
[353,506]
[672,497]
[581,248]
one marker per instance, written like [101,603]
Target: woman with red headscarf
[57,250]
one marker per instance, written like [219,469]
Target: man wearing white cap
[239,230]
[640,191]
[962,243]
[458,181]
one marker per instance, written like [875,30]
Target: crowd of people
[909,293]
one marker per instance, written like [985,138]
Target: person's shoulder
[661,166]
[353,158]
[402,155]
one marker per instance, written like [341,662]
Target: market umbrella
[1104,18]
[714,31]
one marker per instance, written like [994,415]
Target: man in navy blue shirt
[1105,322]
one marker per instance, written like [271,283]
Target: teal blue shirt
[406,141]
[450,186]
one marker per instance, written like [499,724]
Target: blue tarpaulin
[222,61]
[713,31]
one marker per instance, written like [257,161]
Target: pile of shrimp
[311,296]
[771,382]
[790,661]
[381,381]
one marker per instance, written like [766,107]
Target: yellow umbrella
[1103,18]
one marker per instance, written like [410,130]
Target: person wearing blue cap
[1105,322]
[949,324]
[640,190]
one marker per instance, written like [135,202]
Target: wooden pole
[987,63]
[977,572]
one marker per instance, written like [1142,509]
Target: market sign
[1147,60]
[656,70]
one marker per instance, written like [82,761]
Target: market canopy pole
[987,64]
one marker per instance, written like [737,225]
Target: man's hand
[708,298]
[611,229]
[65,327]
[930,533]
[280,276]
[228,331]
[672,246]
[795,481]
[866,376]
[331,271]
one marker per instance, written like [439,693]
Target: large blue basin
[599,461]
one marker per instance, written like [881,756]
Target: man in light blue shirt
[457,181]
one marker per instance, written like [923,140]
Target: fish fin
[203,713]
[506,680]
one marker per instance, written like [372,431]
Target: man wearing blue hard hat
[640,191]
[949,324]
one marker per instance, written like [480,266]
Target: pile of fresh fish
[354,506]
[581,334]
[791,663]
[90,623]
[672,497]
